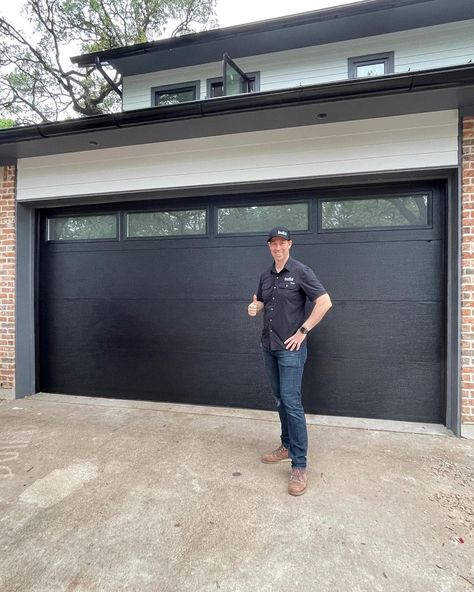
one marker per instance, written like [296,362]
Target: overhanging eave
[397,94]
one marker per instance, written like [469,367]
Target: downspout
[109,80]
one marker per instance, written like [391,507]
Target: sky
[230,12]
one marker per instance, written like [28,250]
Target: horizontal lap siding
[419,49]
[423,140]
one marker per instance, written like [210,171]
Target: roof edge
[440,78]
[323,14]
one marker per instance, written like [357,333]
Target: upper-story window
[376,64]
[215,86]
[171,94]
[232,82]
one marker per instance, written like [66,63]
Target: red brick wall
[467,296]
[7,280]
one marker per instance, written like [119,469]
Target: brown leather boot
[277,456]
[298,481]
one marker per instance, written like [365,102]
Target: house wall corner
[7,281]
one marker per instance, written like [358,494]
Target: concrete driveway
[107,495]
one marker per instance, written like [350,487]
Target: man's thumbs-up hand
[254,306]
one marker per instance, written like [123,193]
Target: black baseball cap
[280,231]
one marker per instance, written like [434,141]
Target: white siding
[423,140]
[419,49]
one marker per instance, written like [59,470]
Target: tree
[38,83]
[5,123]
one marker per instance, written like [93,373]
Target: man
[281,295]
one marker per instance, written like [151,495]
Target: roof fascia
[406,88]
[361,19]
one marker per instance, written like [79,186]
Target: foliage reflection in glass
[261,218]
[83,227]
[375,213]
[172,223]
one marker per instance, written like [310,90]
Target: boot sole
[299,492]
[275,462]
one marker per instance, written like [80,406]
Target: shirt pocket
[289,286]
[289,291]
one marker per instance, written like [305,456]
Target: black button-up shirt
[284,295]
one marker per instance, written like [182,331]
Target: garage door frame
[28,253]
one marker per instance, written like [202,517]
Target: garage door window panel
[167,223]
[71,228]
[390,212]
[256,219]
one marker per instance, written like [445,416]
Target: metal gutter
[442,78]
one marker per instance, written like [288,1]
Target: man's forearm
[322,305]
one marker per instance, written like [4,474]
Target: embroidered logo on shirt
[289,279]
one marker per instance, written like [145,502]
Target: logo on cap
[279,231]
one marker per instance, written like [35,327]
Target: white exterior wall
[419,49]
[422,140]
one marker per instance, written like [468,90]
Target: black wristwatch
[303,330]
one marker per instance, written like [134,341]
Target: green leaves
[5,123]
[37,80]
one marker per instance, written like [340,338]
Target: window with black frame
[234,80]
[377,64]
[398,211]
[172,94]
[83,227]
[259,218]
[215,86]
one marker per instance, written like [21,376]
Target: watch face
[303,330]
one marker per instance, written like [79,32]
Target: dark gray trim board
[467,110]
[329,25]
[453,302]
[396,94]
[25,289]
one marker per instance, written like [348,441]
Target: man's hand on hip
[294,342]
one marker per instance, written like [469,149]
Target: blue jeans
[285,369]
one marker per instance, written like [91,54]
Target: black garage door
[148,300]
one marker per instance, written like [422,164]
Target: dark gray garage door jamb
[453,327]
[25,383]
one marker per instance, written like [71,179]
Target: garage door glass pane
[262,218]
[83,227]
[175,223]
[375,213]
